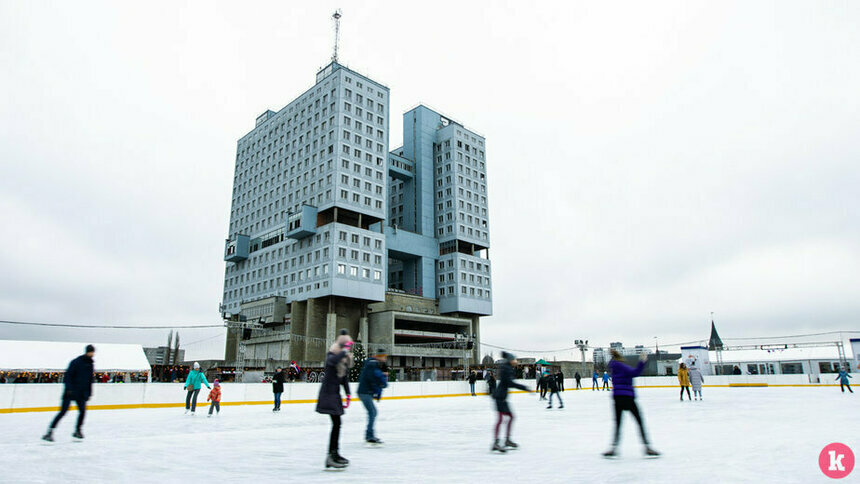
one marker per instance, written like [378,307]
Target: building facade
[330,230]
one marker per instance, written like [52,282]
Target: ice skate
[49,437]
[331,463]
[510,444]
[549,406]
[561,406]
[192,413]
[78,434]
[611,453]
[498,448]
[651,453]
[186,411]
[373,442]
[340,459]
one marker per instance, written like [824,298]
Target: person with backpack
[371,381]
[78,387]
[193,382]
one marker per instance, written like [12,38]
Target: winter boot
[340,459]
[561,406]
[330,462]
[611,453]
[49,436]
[510,444]
[498,448]
[374,441]
[649,452]
[549,406]
[78,434]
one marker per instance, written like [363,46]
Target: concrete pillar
[476,329]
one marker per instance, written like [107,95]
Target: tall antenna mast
[336,16]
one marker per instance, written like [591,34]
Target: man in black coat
[560,380]
[506,381]
[491,383]
[278,388]
[78,388]
[578,379]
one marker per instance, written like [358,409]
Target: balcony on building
[237,249]
[303,223]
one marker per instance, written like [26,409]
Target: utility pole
[336,16]
[583,347]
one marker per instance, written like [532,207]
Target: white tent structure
[54,356]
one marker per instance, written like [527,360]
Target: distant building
[164,355]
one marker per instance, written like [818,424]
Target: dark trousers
[334,438]
[191,399]
[843,385]
[67,401]
[367,401]
[561,385]
[214,406]
[594,384]
[606,385]
[578,385]
[623,403]
[688,393]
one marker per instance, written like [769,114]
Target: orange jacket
[214,394]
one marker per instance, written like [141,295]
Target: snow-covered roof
[789,354]
[56,355]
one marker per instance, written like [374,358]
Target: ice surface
[735,435]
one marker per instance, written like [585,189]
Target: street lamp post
[583,346]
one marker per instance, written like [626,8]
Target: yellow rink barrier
[130,406]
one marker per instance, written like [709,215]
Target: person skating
[553,387]
[559,378]
[215,397]
[684,380]
[625,399]
[696,379]
[472,379]
[843,380]
[371,381]
[491,383]
[78,387]
[278,387]
[541,386]
[606,379]
[578,378]
[594,385]
[195,379]
[337,364]
[506,381]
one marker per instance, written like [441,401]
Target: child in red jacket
[215,398]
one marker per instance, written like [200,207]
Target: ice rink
[734,435]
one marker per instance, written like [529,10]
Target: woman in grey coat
[696,380]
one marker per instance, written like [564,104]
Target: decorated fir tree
[358,356]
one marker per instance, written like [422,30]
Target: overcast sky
[648,163]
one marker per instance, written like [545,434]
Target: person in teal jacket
[843,381]
[195,379]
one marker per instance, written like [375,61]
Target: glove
[378,396]
[643,356]
[346,405]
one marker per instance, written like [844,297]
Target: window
[377,275]
[341,269]
[353,271]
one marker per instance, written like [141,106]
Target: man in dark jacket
[506,381]
[552,386]
[472,379]
[370,384]
[559,378]
[78,388]
[578,379]
[278,387]
[491,383]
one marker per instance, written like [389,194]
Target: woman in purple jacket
[625,399]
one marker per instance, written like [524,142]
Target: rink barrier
[45,397]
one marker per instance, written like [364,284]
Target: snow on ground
[735,435]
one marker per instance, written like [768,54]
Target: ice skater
[215,398]
[553,387]
[843,380]
[684,380]
[278,387]
[472,379]
[625,399]
[506,381]
[606,379]
[578,378]
[696,379]
[78,386]
[371,381]
[337,364]
[594,385]
[195,379]
[491,383]
[559,377]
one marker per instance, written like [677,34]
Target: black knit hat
[90,349]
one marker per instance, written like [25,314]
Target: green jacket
[195,378]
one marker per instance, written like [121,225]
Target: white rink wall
[46,396]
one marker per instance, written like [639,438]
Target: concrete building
[330,230]
[164,355]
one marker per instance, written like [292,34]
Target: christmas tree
[358,357]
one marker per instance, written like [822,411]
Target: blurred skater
[472,379]
[843,380]
[625,399]
[559,377]
[78,386]
[553,388]
[578,379]
[696,379]
[542,384]
[215,398]
[684,380]
[491,383]
[594,385]
[195,379]
[371,381]
[606,379]
[506,381]
[278,387]
[337,364]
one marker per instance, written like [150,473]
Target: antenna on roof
[336,16]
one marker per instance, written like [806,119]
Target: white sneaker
[186,411]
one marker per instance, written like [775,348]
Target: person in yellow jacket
[684,380]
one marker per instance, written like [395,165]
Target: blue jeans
[367,401]
[472,386]
[277,400]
